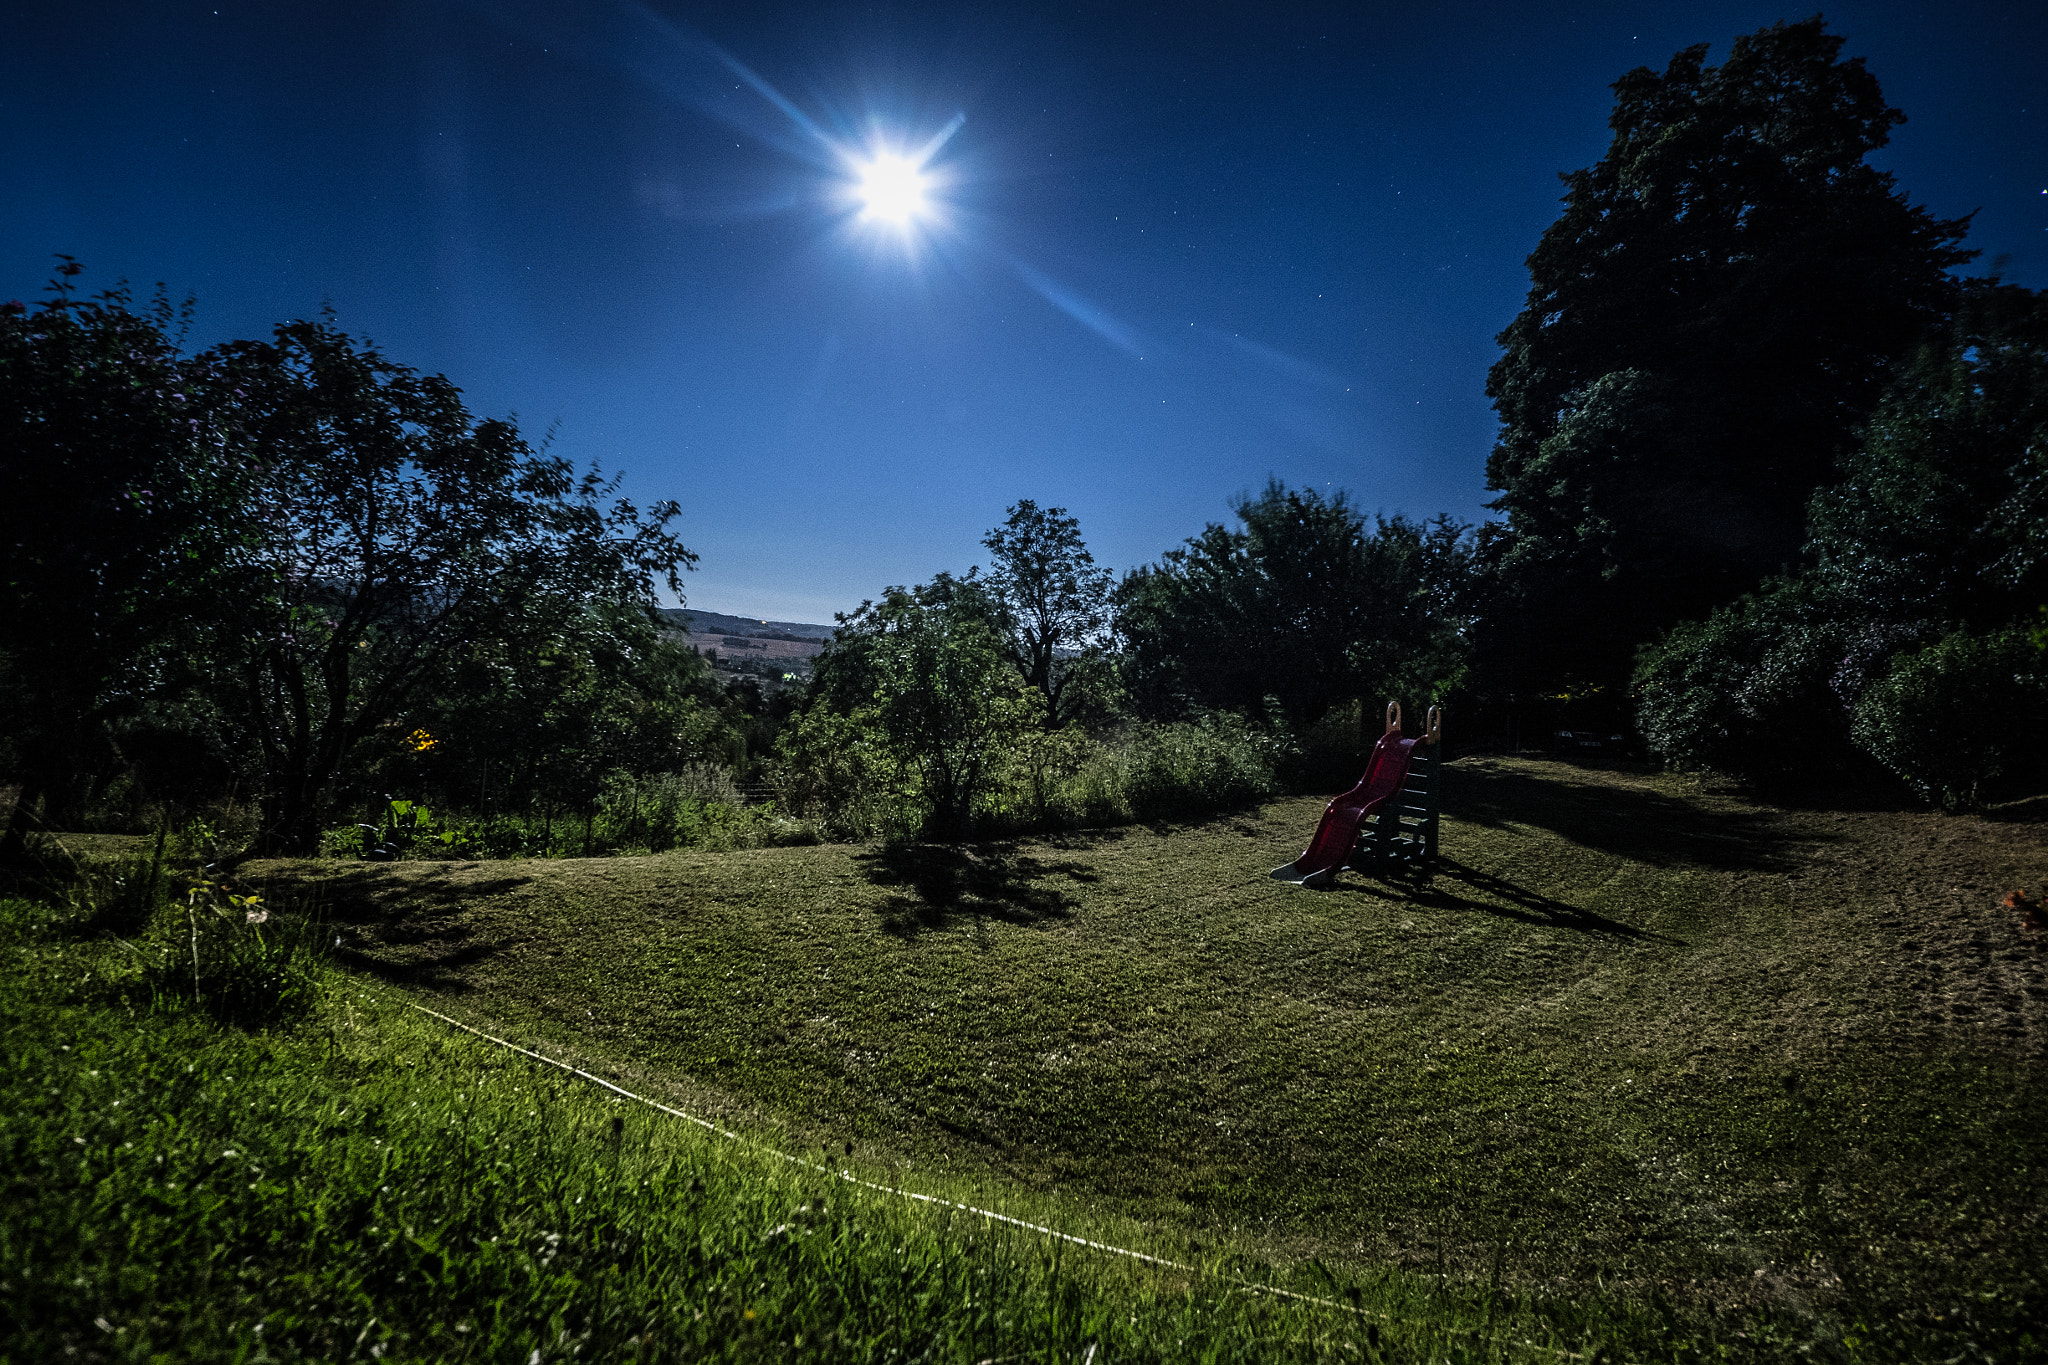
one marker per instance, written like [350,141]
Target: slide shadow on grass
[1628,819]
[942,883]
[1428,887]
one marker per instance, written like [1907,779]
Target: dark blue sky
[1180,249]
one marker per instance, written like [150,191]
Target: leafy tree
[1051,603]
[1930,546]
[925,667]
[1300,609]
[113,490]
[388,530]
[1942,514]
[573,693]
[1709,322]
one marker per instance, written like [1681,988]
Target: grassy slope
[375,1185]
[1632,1033]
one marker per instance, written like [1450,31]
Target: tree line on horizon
[1771,480]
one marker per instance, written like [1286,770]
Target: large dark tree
[112,488]
[1709,323]
[1926,559]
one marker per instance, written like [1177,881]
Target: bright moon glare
[892,189]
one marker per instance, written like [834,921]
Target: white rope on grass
[852,1179]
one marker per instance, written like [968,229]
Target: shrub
[839,770]
[1958,714]
[1763,688]
[1194,768]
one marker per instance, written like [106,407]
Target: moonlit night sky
[1129,260]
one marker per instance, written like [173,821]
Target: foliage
[1051,604]
[1301,609]
[1190,769]
[922,723]
[926,665]
[405,827]
[1763,688]
[245,568]
[1934,528]
[539,718]
[839,769]
[695,807]
[1942,512]
[112,477]
[1955,716]
[1709,321]
[392,532]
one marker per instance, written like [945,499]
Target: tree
[386,530]
[115,517]
[1303,607]
[925,668]
[1926,564]
[1709,322]
[1051,603]
[1941,515]
[572,693]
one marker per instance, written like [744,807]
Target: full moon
[892,189]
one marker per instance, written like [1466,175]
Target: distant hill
[716,623]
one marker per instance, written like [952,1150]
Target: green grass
[375,1185]
[1635,1037]
[1643,1069]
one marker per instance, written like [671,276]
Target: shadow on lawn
[1425,887]
[942,881]
[408,928]
[1628,819]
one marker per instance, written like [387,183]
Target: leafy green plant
[240,962]
[1957,715]
[409,827]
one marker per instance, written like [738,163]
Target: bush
[697,806]
[1958,714]
[1763,688]
[836,770]
[1195,768]
[839,770]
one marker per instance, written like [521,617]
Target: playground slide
[1385,773]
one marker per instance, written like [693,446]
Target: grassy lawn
[1633,1037]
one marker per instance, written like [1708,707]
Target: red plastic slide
[1385,772]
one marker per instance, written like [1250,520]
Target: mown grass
[373,1185]
[1780,1069]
